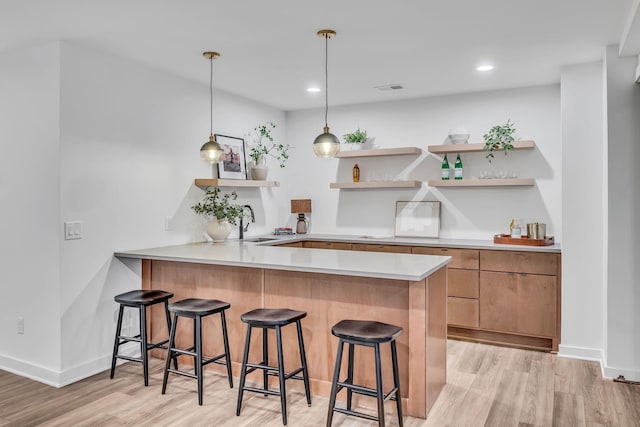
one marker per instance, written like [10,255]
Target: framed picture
[233,164]
[418,219]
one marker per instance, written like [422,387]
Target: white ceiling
[271,53]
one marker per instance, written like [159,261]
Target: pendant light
[326,144]
[211,151]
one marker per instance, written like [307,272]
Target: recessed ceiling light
[313,89]
[485,68]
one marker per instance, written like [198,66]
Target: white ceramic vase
[219,230]
[259,171]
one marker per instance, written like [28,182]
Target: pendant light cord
[211,95]
[326,78]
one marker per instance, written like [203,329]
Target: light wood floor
[486,386]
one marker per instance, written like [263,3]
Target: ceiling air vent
[394,86]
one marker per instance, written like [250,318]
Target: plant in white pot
[356,139]
[264,146]
[221,212]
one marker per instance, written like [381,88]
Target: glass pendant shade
[211,151]
[326,144]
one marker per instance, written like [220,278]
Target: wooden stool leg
[143,344]
[243,370]
[379,392]
[198,366]
[350,376]
[283,392]
[170,355]
[166,311]
[334,383]
[116,345]
[265,359]
[396,381]
[227,355]
[303,361]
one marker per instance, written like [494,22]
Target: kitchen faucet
[242,228]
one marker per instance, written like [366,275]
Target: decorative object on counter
[459,135]
[301,207]
[283,231]
[457,168]
[417,219]
[445,171]
[505,239]
[221,212]
[536,230]
[515,230]
[211,150]
[233,164]
[264,146]
[326,144]
[356,173]
[499,137]
[355,140]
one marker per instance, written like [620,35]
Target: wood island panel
[419,307]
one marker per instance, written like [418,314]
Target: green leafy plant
[499,137]
[357,137]
[263,145]
[219,206]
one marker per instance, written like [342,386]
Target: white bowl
[459,138]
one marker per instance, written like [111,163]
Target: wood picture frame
[234,164]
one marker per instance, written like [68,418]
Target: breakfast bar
[407,290]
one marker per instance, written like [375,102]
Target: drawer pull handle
[444,250]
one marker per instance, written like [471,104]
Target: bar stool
[369,334]
[196,309]
[273,319]
[140,299]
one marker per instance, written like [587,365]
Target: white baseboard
[29,370]
[597,354]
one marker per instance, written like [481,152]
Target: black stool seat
[196,309]
[143,297]
[365,331]
[266,318]
[191,307]
[140,299]
[270,317]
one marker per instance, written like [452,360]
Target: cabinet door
[462,312]
[537,299]
[463,283]
[498,301]
[327,245]
[381,248]
[462,258]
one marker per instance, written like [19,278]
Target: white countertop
[261,255]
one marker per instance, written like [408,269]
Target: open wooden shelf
[476,147]
[379,152]
[217,182]
[376,184]
[514,182]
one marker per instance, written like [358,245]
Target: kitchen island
[407,290]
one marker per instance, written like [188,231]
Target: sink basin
[260,239]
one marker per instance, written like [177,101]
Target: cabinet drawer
[463,283]
[519,262]
[462,258]
[463,312]
[381,248]
[290,245]
[327,245]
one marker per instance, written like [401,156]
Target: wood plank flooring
[486,386]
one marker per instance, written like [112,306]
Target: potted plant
[499,137]
[264,146]
[356,139]
[221,212]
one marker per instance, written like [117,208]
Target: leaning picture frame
[233,165]
[418,219]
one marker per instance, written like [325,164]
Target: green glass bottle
[445,168]
[457,168]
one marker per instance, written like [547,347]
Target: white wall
[623,283]
[472,213]
[583,191]
[30,228]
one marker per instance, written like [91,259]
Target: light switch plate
[72,230]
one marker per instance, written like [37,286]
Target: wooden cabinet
[462,311]
[381,248]
[290,245]
[462,258]
[326,245]
[519,262]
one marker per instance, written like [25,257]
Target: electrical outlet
[167,223]
[72,230]
[21,325]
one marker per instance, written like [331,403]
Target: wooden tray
[505,239]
